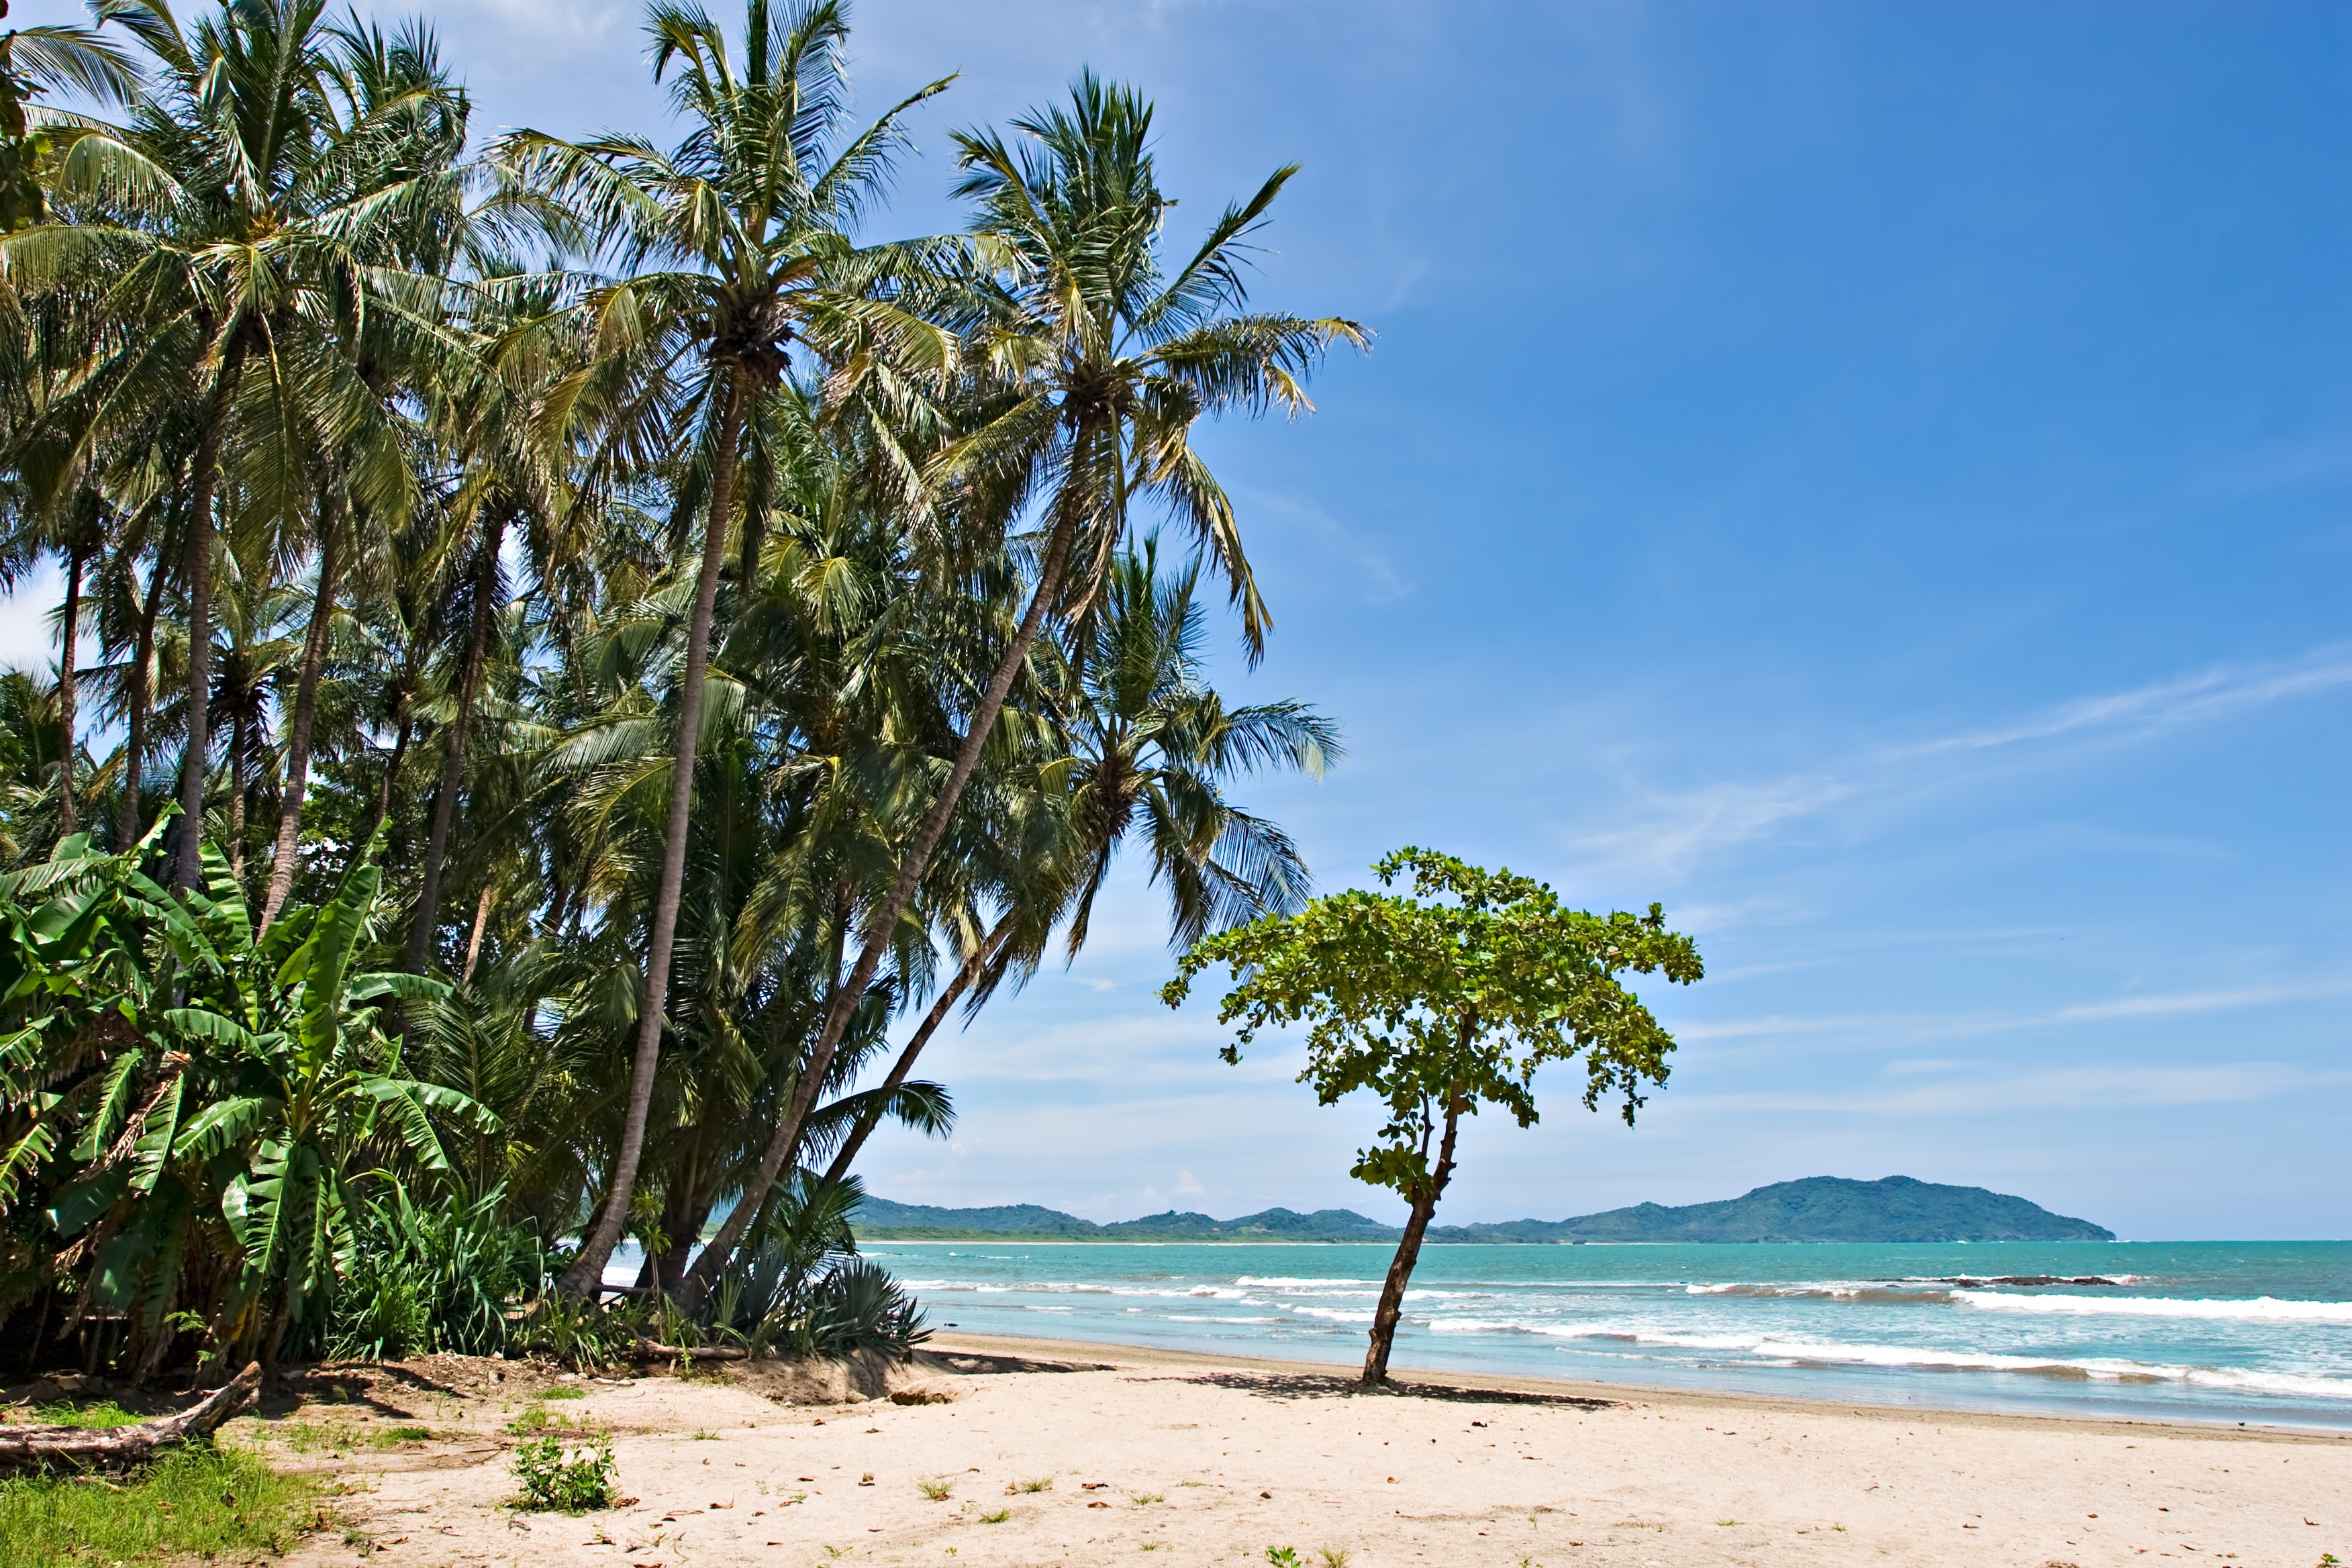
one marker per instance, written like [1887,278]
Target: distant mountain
[886,1221]
[1818,1208]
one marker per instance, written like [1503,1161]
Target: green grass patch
[196,1501]
[103,1416]
[394,1437]
[565,1391]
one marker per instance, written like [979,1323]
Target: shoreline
[1122,1355]
[995,1451]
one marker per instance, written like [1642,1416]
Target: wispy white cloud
[2198,1002]
[1917,1028]
[2089,1088]
[1675,829]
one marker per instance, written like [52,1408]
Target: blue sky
[1877,479]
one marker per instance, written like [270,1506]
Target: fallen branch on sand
[648,1351]
[89,1447]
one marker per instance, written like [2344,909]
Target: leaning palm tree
[1147,749]
[1096,361]
[737,243]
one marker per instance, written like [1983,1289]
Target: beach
[1048,1452]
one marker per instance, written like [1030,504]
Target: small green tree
[1437,1007]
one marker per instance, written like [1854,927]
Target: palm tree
[247,205]
[1094,362]
[751,214]
[1150,748]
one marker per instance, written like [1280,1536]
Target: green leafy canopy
[1449,997]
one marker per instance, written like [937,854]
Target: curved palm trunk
[1408,1253]
[188,870]
[427,914]
[298,733]
[69,632]
[587,1270]
[128,816]
[886,919]
[983,958]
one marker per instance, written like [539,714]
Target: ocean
[2259,1333]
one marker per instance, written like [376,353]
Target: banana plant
[218,1086]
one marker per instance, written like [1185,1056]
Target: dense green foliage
[579,658]
[1437,1006]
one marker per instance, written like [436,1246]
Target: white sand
[1191,1461]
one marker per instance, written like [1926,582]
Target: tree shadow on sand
[1289,1386]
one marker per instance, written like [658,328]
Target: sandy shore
[1054,1453]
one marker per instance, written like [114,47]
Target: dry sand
[1095,1454]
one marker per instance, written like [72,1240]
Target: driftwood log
[86,1447]
[649,1351]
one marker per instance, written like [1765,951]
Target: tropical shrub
[186,1109]
[423,1278]
[857,1306]
[570,1475]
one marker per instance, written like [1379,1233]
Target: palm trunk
[886,919]
[383,787]
[981,958]
[236,738]
[128,817]
[298,733]
[588,1269]
[1408,1253]
[453,761]
[189,869]
[69,630]
[481,919]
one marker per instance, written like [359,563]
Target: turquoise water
[2253,1331]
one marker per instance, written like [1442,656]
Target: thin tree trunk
[69,629]
[383,787]
[453,761]
[981,958]
[886,919]
[481,919]
[298,733]
[237,736]
[588,1269]
[134,746]
[1408,1253]
[189,869]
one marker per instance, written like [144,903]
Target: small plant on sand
[570,1478]
[1044,1484]
[393,1437]
[937,1490]
[565,1392]
[1142,1499]
[1282,1556]
[705,1434]
[537,1419]
[997,1516]
[1333,1557]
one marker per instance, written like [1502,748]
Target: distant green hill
[1818,1208]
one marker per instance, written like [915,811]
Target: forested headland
[583,650]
